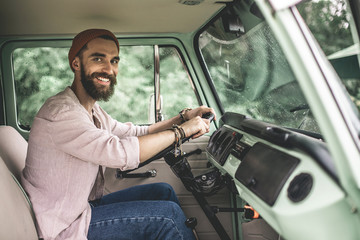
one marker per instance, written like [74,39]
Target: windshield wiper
[300,107]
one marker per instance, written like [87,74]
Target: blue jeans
[149,211]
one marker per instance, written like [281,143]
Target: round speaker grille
[300,187]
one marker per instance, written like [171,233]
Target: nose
[107,68]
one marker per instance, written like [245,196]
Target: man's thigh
[154,191]
[139,220]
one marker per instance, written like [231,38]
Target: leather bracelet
[182,114]
[181,130]
[179,133]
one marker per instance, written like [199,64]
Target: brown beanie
[86,36]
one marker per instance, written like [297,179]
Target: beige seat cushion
[16,218]
[13,148]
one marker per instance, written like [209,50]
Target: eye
[115,61]
[97,59]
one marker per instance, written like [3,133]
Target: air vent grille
[221,143]
[300,187]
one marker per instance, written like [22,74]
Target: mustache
[111,77]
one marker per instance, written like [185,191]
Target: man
[72,140]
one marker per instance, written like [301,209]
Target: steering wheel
[208,115]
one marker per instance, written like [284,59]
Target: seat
[13,148]
[17,220]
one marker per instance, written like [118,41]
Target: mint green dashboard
[286,176]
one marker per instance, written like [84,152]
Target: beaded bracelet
[179,135]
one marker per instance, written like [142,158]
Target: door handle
[150,173]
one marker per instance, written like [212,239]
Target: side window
[135,85]
[39,74]
[177,89]
[42,72]
[334,28]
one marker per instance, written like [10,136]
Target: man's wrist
[182,114]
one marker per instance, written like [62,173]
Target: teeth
[103,79]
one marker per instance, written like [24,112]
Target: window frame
[9,110]
[202,61]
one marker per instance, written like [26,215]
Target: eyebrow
[96,54]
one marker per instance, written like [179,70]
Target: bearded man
[73,139]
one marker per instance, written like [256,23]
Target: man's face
[99,67]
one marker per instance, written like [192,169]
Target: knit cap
[86,36]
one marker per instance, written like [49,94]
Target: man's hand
[160,136]
[198,112]
[196,127]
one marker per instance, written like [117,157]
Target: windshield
[250,72]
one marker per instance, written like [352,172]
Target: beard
[98,93]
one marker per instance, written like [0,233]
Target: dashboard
[285,175]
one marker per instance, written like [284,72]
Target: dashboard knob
[252,182]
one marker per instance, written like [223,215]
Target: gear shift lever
[191,223]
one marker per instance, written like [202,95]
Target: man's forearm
[153,143]
[161,135]
[163,125]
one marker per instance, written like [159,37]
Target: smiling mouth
[103,80]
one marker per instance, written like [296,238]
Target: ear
[75,64]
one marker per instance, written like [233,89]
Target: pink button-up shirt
[66,147]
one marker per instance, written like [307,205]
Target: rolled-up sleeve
[73,132]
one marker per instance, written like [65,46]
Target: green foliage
[328,20]
[42,72]
[243,71]
[134,87]
[175,87]
[39,74]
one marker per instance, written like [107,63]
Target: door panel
[188,202]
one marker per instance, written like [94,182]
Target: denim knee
[164,185]
[173,213]
[167,192]
[139,220]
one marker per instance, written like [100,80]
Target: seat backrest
[13,148]
[16,217]
[17,220]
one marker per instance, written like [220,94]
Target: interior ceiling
[68,17]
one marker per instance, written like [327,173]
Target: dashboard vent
[300,187]
[221,143]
